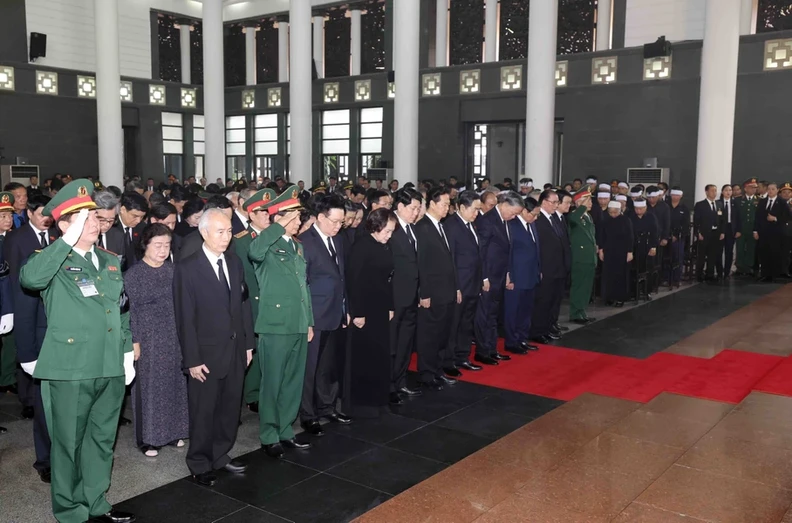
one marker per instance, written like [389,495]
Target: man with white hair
[216,333]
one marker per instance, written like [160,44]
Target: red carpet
[564,374]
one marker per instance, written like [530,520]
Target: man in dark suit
[709,230]
[324,257]
[132,210]
[216,333]
[30,321]
[555,259]
[403,244]
[525,273]
[732,222]
[495,247]
[239,218]
[193,241]
[771,214]
[438,292]
[464,244]
[110,238]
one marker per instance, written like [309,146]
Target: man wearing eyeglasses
[110,238]
[556,264]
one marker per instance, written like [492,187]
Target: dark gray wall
[13,31]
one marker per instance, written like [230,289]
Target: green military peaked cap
[6,201]
[76,195]
[288,200]
[261,200]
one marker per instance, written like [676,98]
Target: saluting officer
[258,220]
[582,236]
[85,356]
[746,243]
[284,323]
[7,348]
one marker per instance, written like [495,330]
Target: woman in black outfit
[369,269]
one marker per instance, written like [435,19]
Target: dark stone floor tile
[434,404]
[379,430]
[328,451]
[264,477]
[440,443]
[6,417]
[182,501]
[324,499]
[252,515]
[484,422]
[388,470]
[527,405]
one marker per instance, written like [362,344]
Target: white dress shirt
[527,226]
[38,234]
[324,238]
[242,218]
[212,257]
[471,228]
[437,226]
[407,230]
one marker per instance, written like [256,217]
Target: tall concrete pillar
[214,89]
[108,100]
[405,124]
[301,159]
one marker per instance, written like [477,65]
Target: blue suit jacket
[325,279]
[494,247]
[467,258]
[525,266]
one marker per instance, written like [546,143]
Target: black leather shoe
[560,328]
[294,444]
[554,335]
[445,380]
[501,357]
[580,321]
[122,421]
[486,360]
[410,392]
[527,346]
[27,412]
[114,516]
[207,479]
[253,407]
[337,417]
[235,467]
[469,366]
[45,475]
[312,427]
[590,319]
[395,399]
[619,304]
[273,450]
[3,430]
[544,340]
[8,389]
[434,385]
[453,372]
[517,350]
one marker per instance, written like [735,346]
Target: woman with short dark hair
[159,393]
[369,269]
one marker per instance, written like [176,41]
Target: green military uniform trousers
[581,289]
[82,417]
[8,365]
[252,380]
[746,253]
[282,359]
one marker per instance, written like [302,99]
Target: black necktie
[128,241]
[442,234]
[769,204]
[506,225]
[333,253]
[410,237]
[713,206]
[222,277]
[102,243]
[556,221]
[43,236]
[470,228]
[291,244]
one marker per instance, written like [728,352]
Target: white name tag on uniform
[87,288]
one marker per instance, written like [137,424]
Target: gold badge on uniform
[6,199]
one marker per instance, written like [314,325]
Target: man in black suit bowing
[464,243]
[709,230]
[495,244]
[131,212]
[438,293]
[771,214]
[555,260]
[110,238]
[324,257]
[216,333]
[403,244]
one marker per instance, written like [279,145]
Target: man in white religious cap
[526,187]
[645,241]
[624,188]
[622,200]
[600,209]
[592,182]
[680,229]
[661,212]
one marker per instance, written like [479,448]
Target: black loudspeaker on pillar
[391,76]
[38,46]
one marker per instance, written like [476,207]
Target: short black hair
[36,201]
[577,180]
[134,185]
[375,195]
[357,190]
[707,187]
[13,186]
[531,203]
[466,198]
[177,193]
[434,194]
[162,211]
[218,201]
[193,205]
[323,204]
[378,219]
[546,194]
[405,196]
[213,188]
[151,231]
[562,195]
[156,198]
[726,185]
[56,184]
[133,201]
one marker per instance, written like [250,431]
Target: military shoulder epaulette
[241,234]
[105,250]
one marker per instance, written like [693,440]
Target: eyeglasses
[106,220]
[335,222]
[553,202]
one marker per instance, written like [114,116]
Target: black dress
[369,269]
[616,240]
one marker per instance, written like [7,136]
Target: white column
[301,159]
[214,89]
[405,123]
[283,51]
[355,41]
[604,25]
[540,82]
[250,55]
[318,44]
[718,94]
[108,100]
[747,17]
[184,46]
[491,31]
[441,34]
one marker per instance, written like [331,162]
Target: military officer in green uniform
[584,257]
[259,220]
[746,244]
[86,358]
[283,324]
[8,351]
